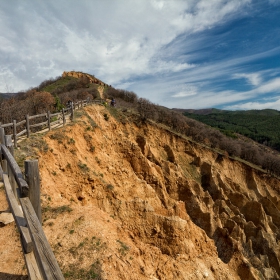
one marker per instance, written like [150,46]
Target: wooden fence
[23,195]
[49,119]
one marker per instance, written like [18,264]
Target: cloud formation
[176,53]
[253,78]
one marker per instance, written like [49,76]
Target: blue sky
[179,54]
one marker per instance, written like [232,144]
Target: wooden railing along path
[23,195]
[50,119]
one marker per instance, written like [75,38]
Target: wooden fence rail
[39,258]
[50,119]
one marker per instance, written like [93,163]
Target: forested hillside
[262,126]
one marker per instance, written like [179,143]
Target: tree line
[51,95]
[262,126]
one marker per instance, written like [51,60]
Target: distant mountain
[207,111]
[198,112]
[7,95]
[262,126]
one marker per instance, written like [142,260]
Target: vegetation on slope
[53,92]
[262,126]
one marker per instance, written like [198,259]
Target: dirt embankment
[128,201]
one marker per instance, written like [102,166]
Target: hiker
[69,103]
[113,102]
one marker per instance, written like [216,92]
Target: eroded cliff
[128,200]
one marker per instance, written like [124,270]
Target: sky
[188,54]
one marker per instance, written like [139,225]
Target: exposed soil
[127,200]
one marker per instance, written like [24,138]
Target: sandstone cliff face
[91,79]
[149,204]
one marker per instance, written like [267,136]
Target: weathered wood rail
[23,196]
[39,258]
[51,119]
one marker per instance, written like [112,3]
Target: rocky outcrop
[80,75]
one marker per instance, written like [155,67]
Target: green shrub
[110,187]
[83,166]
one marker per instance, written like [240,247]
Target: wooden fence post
[2,140]
[72,112]
[9,145]
[15,133]
[2,135]
[49,120]
[33,180]
[63,116]
[27,126]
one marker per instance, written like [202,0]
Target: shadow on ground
[7,276]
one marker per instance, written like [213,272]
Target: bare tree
[145,108]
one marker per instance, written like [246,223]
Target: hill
[139,191]
[262,126]
[126,199]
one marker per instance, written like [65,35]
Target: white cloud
[270,86]
[115,40]
[203,94]
[253,78]
[183,94]
[256,106]
[121,42]
[186,90]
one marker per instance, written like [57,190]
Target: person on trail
[113,102]
[69,103]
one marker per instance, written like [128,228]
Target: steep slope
[129,200]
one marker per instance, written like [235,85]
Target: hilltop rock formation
[91,79]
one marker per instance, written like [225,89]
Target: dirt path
[11,257]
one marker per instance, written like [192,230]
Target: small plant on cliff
[110,187]
[106,117]
[57,135]
[71,141]
[52,212]
[94,272]
[123,249]
[83,166]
